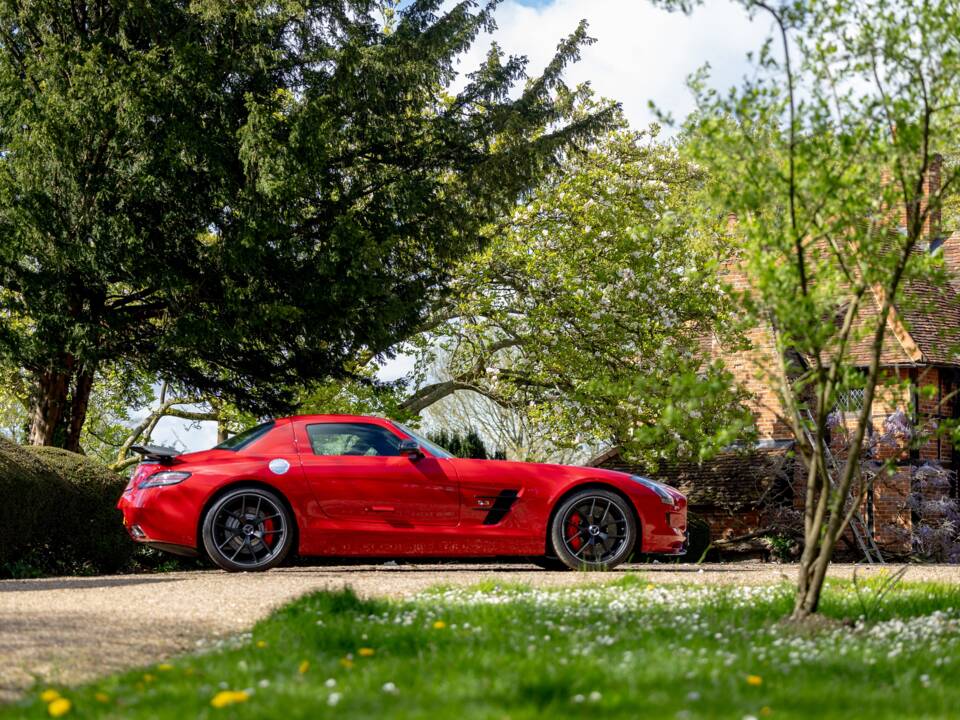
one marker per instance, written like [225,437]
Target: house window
[850,400]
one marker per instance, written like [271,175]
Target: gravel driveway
[67,630]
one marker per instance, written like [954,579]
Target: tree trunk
[810,586]
[58,406]
[47,405]
[79,403]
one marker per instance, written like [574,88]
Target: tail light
[163,478]
[143,470]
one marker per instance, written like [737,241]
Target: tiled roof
[931,315]
[734,480]
[896,347]
[923,329]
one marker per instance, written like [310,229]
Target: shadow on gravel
[339,566]
[78,583]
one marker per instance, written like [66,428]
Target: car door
[360,481]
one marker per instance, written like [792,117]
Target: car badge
[278,466]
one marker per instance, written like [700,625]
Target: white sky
[642,53]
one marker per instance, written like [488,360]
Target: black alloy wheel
[248,529]
[594,529]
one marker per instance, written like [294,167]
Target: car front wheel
[593,529]
[248,529]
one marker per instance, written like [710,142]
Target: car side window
[357,439]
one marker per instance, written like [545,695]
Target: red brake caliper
[268,532]
[573,528]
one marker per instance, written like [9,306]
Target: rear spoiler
[156,453]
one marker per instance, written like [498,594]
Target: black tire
[248,529]
[593,529]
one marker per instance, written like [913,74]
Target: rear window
[247,437]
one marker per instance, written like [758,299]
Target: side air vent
[500,507]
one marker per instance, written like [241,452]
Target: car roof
[335,417]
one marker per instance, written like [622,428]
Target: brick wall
[931,410]
[890,510]
[725,524]
[931,186]
[891,513]
[751,367]
[951,257]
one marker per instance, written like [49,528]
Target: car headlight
[665,497]
[161,479]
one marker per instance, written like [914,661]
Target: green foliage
[59,514]
[497,650]
[119,393]
[14,402]
[465,445]
[823,154]
[782,547]
[588,306]
[243,196]
[362,394]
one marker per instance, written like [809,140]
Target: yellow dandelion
[228,697]
[148,678]
[651,586]
[59,707]
[366,652]
[304,666]
[346,662]
[48,696]
[766,711]
[101,697]
[754,680]
[164,667]
[439,625]
[261,644]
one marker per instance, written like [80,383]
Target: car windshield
[433,449]
[241,440]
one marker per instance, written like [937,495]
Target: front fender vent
[501,506]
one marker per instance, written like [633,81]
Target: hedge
[58,514]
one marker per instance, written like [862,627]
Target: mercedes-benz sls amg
[368,487]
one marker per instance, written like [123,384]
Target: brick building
[750,490]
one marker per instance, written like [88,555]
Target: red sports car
[338,485]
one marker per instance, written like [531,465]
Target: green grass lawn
[622,649]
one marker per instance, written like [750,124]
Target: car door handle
[382,508]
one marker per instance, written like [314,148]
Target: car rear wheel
[248,529]
[593,529]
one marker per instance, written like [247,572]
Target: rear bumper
[158,517]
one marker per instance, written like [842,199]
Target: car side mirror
[410,449]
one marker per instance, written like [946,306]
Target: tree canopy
[588,307]
[244,196]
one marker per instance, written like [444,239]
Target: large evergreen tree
[242,195]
